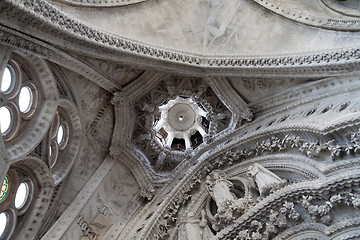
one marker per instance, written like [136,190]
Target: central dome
[180,125]
[181,116]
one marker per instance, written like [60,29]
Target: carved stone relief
[97,118]
[73,28]
[106,205]
[281,163]
[151,133]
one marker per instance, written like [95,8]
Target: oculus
[181,124]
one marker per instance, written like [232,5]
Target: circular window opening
[5,120]
[8,79]
[60,135]
[4,188]
[25,99]
[50,151]
[21,195]
[3,223]
[53,153]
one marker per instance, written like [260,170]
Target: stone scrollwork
[336,150]
[283,212]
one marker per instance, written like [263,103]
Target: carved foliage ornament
[272,145]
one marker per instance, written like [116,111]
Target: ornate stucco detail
[180,120]
[177,118]
[229,161]
[100,3]
[291,214]
[29,45]
[148,192]
[270,65]
[308,17]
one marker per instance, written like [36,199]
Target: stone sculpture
[191,228]
[265,179]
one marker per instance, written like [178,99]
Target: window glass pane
[25,99]
[21,195]
[60,134]
[4,188]
[3,223]
[7,79]
[5,119]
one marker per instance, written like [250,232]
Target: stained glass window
[4,188]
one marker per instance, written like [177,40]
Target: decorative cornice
[308,18]
[307,64]
[100,3]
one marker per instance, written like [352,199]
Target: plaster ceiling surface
[216,27]
[254,89]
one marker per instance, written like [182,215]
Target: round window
[60,135]
[3,223]
[21,195]
[5,119]
[25,99]
[4,188]
[8,80]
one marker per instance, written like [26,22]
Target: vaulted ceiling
[273,82]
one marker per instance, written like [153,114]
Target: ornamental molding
[63,167]
[37,128]
[82,38]
[28,45]
[100,3]
[231,99]
[311,19]
[310,92]
[301,194]
[347,229]
[43,199]
[341,8]
[263,207]
[255,141]
[183,192]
